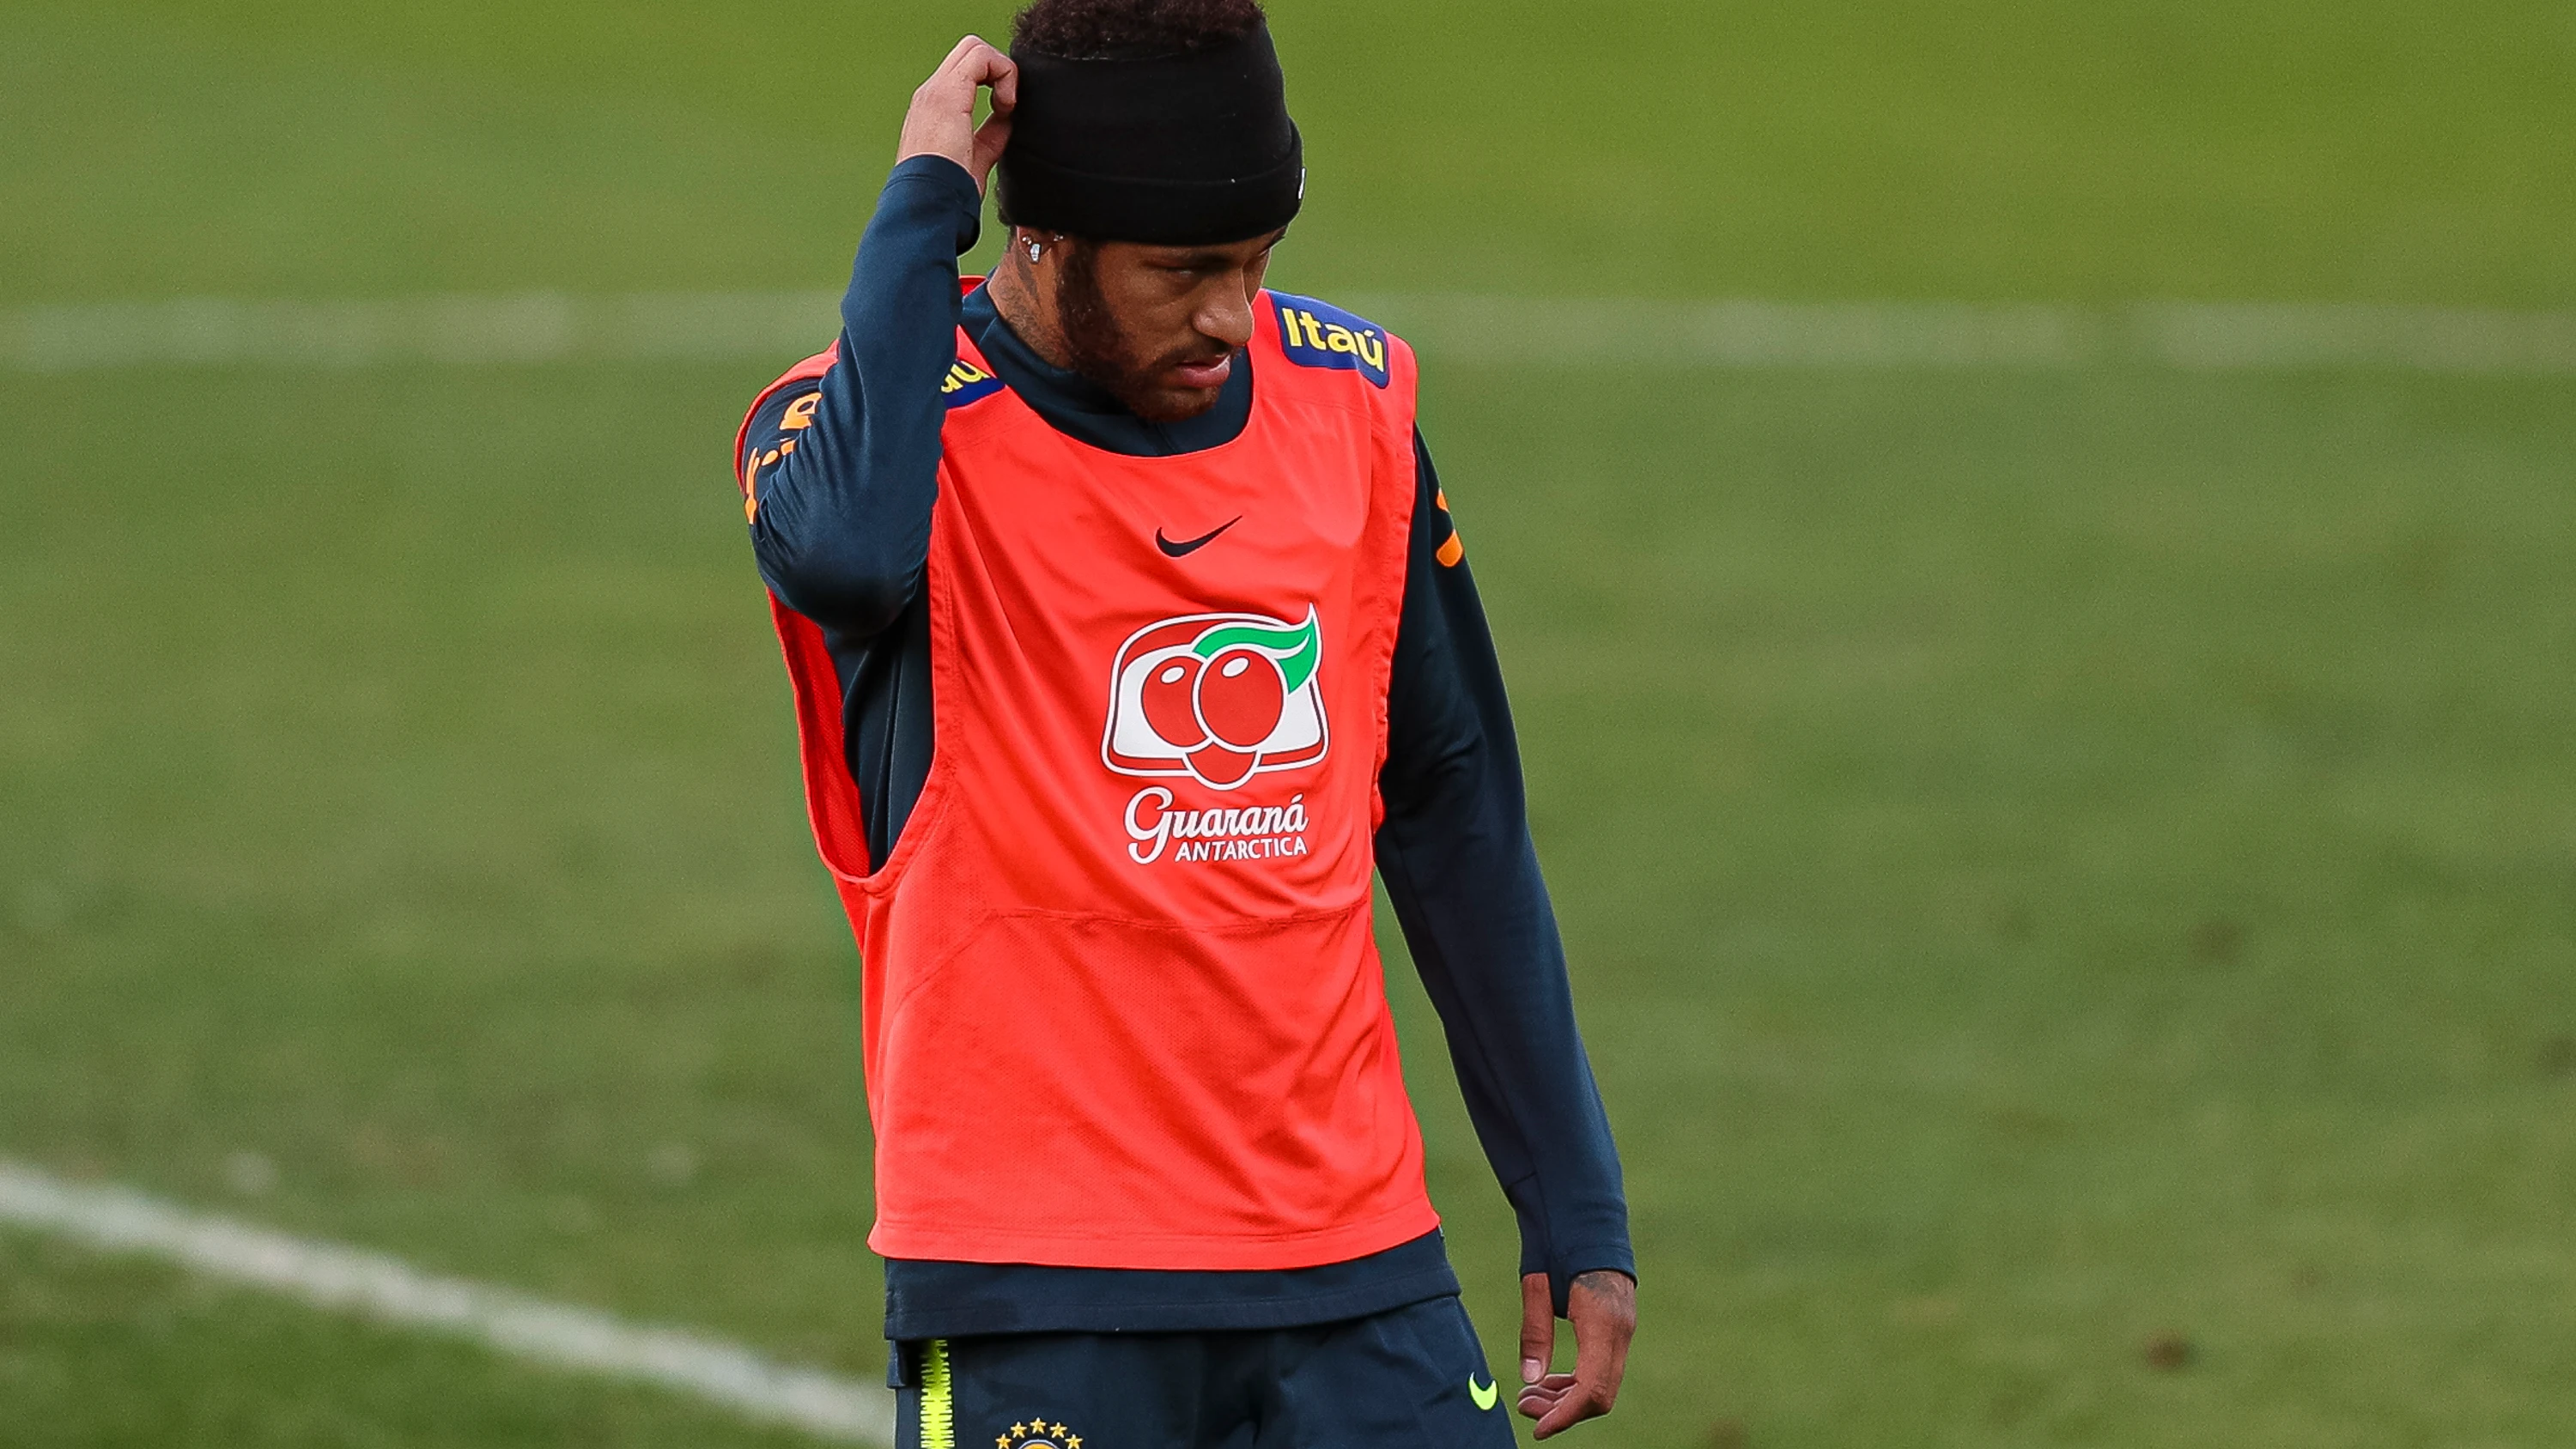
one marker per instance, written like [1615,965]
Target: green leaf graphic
[1295,651]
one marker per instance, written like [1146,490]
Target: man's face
[1158,327]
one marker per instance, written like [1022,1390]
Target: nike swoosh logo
[1485,1396]
[1190,546]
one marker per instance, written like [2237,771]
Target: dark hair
[1131,29]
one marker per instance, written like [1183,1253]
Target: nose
[1226,316]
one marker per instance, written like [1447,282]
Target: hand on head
[942,119]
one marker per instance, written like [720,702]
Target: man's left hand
[1603,1307]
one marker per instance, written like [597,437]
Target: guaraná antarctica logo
[1219,698]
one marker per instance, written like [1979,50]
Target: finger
[972,63]
[1536,1399]
[1538,1327]
[990,140]
[962,54]
[991,137]
[946,88]
[946,77]
[977,62]
[1573,1404]
[1568,1411]
[1004,77]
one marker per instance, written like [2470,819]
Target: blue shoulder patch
[1319,334]
[967,383]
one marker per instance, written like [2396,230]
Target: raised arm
[1459,865]
[843,471]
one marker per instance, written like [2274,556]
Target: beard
[1101,353]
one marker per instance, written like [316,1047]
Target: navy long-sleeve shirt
[846,470]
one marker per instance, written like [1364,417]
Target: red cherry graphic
[1166,696]
[1220,766]
[1240,697]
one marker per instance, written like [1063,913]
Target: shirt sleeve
[1460,867]
[842,523]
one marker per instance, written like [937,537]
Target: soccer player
[1128,628]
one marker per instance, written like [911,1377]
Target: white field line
[2190,336]
[544,327]
[351,1280]
[529,328]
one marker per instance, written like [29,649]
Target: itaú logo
[1219,698]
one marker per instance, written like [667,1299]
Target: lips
[1203,373]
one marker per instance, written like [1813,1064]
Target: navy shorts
[1408,1378]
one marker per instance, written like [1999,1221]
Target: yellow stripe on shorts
[938,1398]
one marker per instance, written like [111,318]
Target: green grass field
[2059,866]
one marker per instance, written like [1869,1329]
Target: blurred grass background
[2071,877]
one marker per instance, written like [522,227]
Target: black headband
[1190,149]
